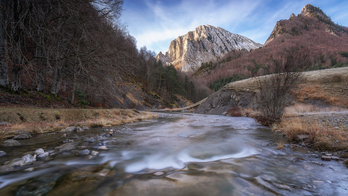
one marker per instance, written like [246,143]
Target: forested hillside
[80,52]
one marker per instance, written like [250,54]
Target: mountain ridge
[206,43]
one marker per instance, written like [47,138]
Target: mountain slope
[304,21]
[312,31]
[206,43]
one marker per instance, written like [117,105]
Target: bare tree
[274,90]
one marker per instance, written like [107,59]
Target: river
[175,154]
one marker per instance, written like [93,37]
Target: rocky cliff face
[311,11]
[204,44]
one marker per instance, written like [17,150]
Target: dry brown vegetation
[327,86]
[300,108]
[308,33]
[319,136]
[35,120]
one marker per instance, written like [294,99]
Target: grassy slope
[329,86]
[34,120]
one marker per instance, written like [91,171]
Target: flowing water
[180,154]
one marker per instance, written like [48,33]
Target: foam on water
[178,161]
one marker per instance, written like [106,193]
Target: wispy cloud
[169,22]
[155,23]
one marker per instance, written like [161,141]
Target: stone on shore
[69,129]
[23,136]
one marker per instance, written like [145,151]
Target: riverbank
[13,121]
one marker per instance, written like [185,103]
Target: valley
[86,110]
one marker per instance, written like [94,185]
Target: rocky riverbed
[175,154]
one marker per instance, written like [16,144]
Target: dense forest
[79,49]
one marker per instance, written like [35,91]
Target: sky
[155,23]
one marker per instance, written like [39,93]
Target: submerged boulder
[11,142]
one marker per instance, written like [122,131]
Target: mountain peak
[206,43]
[312,11]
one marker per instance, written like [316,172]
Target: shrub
[234,111]
[274,89]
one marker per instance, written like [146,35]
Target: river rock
[2,153]
[85,128]
[69,129]
[23,136]
[39,151]
[79,129]
[66,147]
[326,158]
[25,160]
[84,152]
[102,148]
[103,172]
[43,155]
[94,153]
[11,142]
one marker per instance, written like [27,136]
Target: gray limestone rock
[204,44]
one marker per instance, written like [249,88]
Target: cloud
[155,23]
[170,21]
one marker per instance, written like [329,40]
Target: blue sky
[155,23]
